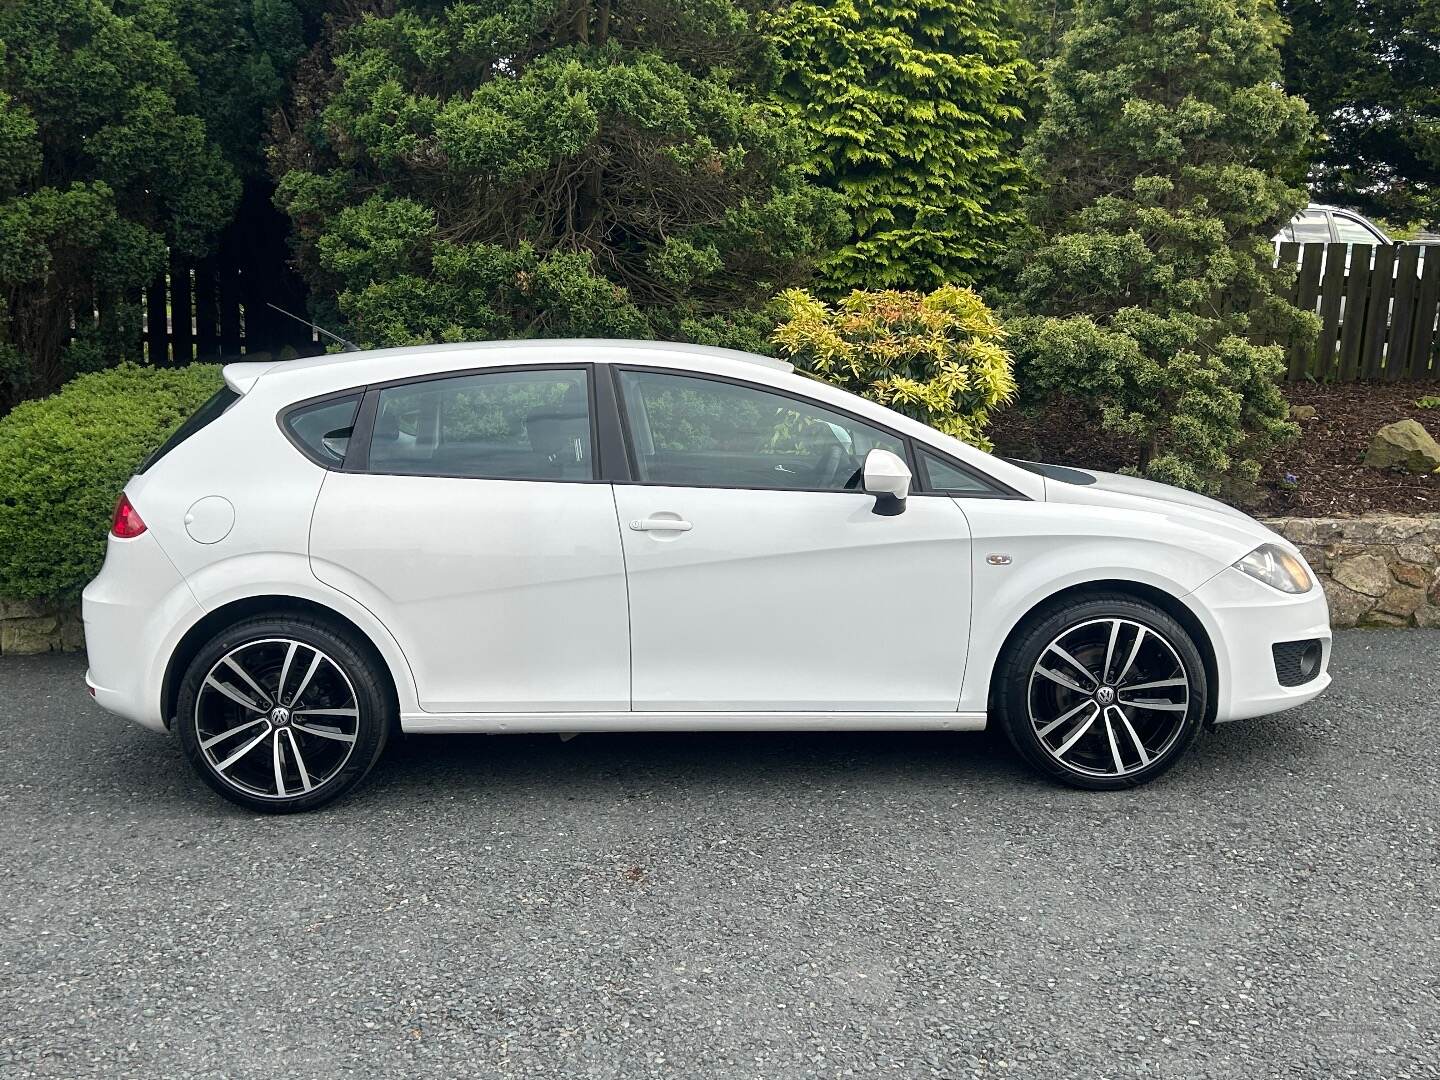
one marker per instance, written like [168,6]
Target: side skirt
[519,723]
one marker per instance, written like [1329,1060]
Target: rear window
[211,411]
[322,429]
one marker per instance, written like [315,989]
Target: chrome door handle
[660,525]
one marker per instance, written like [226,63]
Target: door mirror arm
[888,506]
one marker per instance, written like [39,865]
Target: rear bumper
[1248,620]
[130,610]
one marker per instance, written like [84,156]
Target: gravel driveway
[733,905]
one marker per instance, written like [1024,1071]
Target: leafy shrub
[937,357]
[63,461]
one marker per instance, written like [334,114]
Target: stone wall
[1377,569]
[28,626]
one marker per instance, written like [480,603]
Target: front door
[760,577]
[479,535]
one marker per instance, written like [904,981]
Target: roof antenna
[349,346]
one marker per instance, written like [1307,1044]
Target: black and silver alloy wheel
[1108,697]
[276,718]
[1102,693]
[282,716]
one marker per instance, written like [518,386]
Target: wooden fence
[1377,308]
[217,308]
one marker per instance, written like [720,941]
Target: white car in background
[573,536]
[1320,224]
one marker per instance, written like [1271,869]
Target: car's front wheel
[283,714]
[1105,692]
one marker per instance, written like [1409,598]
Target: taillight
[127,524]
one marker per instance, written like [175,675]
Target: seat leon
[572,536]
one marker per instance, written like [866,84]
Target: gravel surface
[733,906]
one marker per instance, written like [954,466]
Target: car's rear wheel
[282,715]
[1105,692]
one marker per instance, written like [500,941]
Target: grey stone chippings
[820,905]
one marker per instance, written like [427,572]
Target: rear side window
[494,425]
[322,430]
[207,414]
[1311,228]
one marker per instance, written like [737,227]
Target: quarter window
[498,425]
[952,479]
[323,429]
[691,432]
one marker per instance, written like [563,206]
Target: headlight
[1277,568]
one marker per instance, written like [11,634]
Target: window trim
[370,406]
[282,420]
[910,446]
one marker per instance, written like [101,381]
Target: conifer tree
[1167,158]
[912,109]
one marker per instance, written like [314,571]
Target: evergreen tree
[1167,158]
[912,110]
[243,53]
[461,170]
[1371,72]
[102,170]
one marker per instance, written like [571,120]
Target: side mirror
[887,477]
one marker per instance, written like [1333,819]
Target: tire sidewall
[1025,651]
[370,692]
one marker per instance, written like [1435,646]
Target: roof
[241,376]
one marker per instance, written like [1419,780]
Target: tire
[1138,708]
[233,714]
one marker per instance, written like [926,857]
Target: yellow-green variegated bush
[938,357]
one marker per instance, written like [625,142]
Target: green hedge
[64,460]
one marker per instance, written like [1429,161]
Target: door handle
[659,524]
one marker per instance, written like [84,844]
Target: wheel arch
[1167,602]
[213,621]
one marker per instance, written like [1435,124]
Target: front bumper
[1246,619]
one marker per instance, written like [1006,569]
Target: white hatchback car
[573,536]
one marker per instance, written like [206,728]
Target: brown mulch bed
[1328,478]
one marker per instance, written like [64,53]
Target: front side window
[693,432]
[1352,231]
[496,425]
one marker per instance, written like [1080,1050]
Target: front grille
[1297,662]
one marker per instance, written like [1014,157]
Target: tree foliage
[912,110]
[939,358]
[243,53]
[101,170]
[524,167]
[1167,158]
[1371,73]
